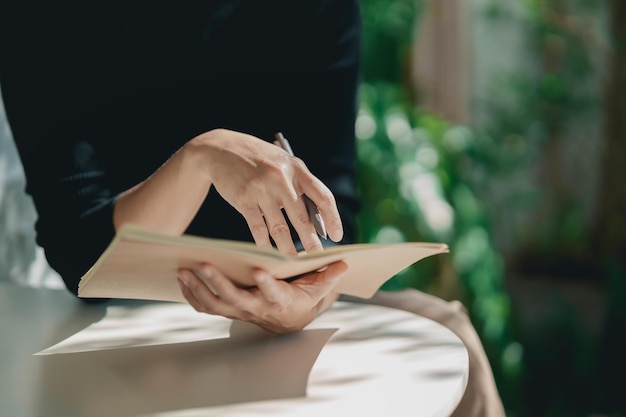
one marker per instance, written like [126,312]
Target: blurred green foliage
[424,179]
[388,28]
[540,106]
[411,180]
[414,186]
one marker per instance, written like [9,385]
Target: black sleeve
[97,104]
[47,100]
[305,86]
[72,196]
[318,116]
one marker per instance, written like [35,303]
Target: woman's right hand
[259,179]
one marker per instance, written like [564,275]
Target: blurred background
[498,127]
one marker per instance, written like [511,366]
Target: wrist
[209,150]
[200,152]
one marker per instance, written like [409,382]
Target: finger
[324,199]
[271,289]
[188,295]
[301,221]
[279,230]
[319,284]
[221,285]
[257,226]
[202,298]
[242,300]
[186,281]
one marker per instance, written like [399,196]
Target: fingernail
[183,277]
[337,234]
[205,274]
[260,277]
[206,271]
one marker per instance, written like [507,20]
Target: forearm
[169,199]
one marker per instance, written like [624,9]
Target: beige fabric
[481,398]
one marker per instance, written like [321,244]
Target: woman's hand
[259,179]
[274,305]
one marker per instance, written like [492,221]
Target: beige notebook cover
[142,264]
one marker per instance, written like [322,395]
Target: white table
[130,358]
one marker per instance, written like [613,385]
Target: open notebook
[142,264]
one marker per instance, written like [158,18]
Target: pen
[311,208]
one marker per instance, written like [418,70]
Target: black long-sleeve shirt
[99,95]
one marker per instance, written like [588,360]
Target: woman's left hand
[274,304]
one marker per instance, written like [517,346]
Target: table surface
[61,357]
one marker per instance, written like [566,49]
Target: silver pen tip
[320,228]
